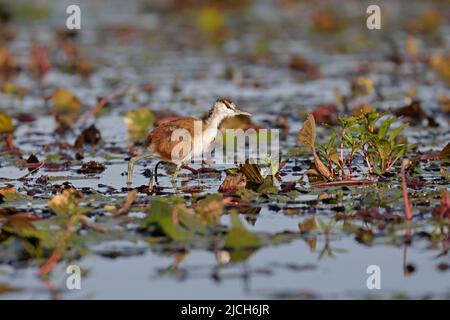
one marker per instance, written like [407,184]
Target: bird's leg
[156,171]
[177,170]
[150,183]
[133,161]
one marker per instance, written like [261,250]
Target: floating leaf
[210,208]
[9,189]
[6,124]
[64,101]
[174,219]
[361,86]
[66,108]
[138,122]
[90,136]
[91,167]
[239,238]
[66,203]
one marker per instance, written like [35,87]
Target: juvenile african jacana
[160,141]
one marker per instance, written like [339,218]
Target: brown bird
[197,136]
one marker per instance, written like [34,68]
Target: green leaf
[395,132]
[239,238]
[139,121]
[161,215]
[252,173]
[384,149]
[384,128]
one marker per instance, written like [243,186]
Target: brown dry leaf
[8,190]
[91,167]
[90,136]
[361,86]
[64,101]
[321,167]
[66,202]
[362,109]
[233,182]
[412,110]
[445,152]
[66,108]
[307,135]
[210,208]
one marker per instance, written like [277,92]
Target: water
[168,53]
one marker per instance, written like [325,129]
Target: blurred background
[134,64]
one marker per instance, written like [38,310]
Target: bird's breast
[204,141]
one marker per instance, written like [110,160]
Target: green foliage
[174,219]
[370,136]
[138,122]
[240,241]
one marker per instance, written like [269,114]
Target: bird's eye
[228,105]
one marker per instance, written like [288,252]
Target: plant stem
[406,201]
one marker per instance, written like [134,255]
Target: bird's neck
[213,121]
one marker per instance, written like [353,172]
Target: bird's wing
[174,134]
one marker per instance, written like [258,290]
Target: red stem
[406,201]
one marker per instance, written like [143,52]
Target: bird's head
[226,108]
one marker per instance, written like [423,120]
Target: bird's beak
[243,113]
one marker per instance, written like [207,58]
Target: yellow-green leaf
[239,237]
[139,121]
[6,124]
